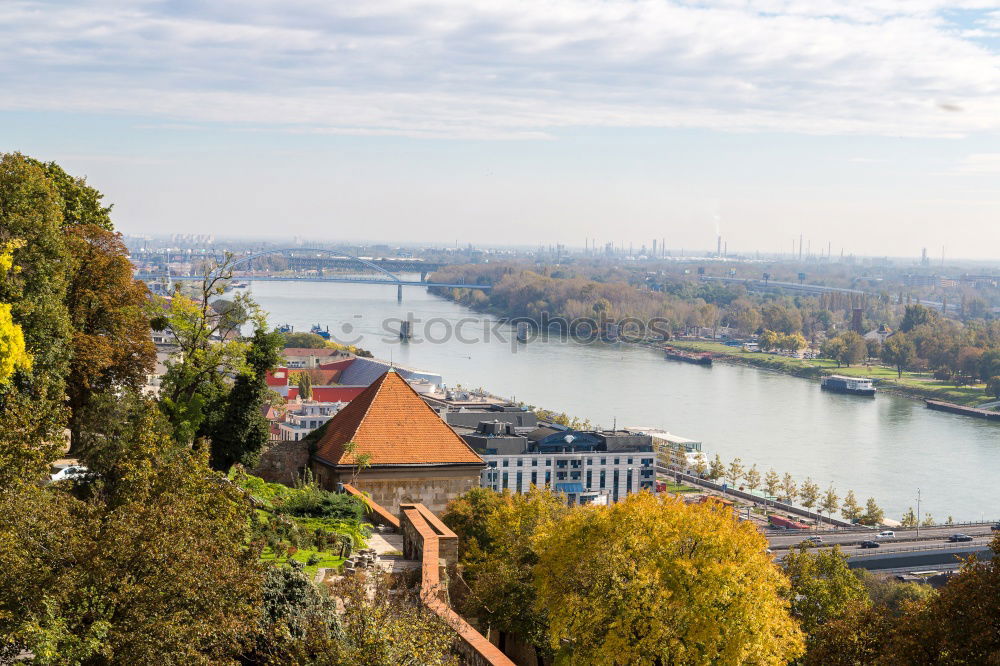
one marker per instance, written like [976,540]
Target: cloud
[980,163]
[490,69]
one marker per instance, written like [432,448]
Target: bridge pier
[399,293]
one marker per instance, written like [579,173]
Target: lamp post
[918,512]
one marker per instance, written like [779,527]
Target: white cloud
[508,69]
[980,163]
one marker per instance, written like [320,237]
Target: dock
[965,411]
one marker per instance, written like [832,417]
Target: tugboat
[853,385]
[318,330]
[286,328]
[675,354]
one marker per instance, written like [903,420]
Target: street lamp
[918,512]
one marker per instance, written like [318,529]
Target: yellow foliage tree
[13,355]
[654,580]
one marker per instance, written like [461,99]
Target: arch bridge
[341,260]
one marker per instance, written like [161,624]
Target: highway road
[928,535]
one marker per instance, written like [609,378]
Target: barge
[852,385]
[675,354]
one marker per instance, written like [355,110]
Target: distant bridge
[341,260]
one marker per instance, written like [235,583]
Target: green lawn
[326,560]
[916,384]
[680,488]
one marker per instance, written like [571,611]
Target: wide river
[886,447]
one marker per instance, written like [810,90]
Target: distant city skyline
[873,126]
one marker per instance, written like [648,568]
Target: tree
[772,483]
[716,469]
[206,331]
[928,520]
[793,342]
[873,515]
[909,518]
[856,636]
[789,491]
[916,315]
[112,348]
[853,348]
[242,431]
[303,340]
[304,381]
[822,586]
[809,494]
[769,340]
[33,287]
[833,348]
[633,601]
[152,562]
[700,468]
[13,355]
[499,567]
[851,510]
[734,472]
[830,501]
[989,371]
[752,477]
[898,351]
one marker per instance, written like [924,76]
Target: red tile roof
[322,352]
[389,421]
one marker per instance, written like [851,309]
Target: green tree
[873,515]
[916,315]
[833,348]
[822,586]
[304,381]
[632,600]
[303,340]
[243,430]
[499,567]
[928,520]
[851,510]
[830,501]
[152,562]
[853,348]
[899,352]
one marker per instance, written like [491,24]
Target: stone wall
[282,462]
[432,486]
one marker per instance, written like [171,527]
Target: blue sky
[870,125]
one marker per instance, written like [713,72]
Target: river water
[886,447]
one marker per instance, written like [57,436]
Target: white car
[887,534]
[72,472]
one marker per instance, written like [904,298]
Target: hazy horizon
[872,126]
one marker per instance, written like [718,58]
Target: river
[886,447]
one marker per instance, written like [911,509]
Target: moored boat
[675,354]
[852,385]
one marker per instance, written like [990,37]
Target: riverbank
[915,385]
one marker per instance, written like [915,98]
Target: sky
[869,126]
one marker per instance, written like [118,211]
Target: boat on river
[852,385]
[675,354]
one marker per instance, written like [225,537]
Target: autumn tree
[304,381]
[734,472]
[772,482]
[112,347]
[909,518]
[499,559]
[752,478]
[716,468]
[830,501]
[671,583]
[789,490]
[809,494]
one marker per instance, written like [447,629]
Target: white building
[302,419]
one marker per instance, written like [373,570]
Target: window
[534,462]
[518,486]
[493,463]
[590,480]
[603,479]
[590,461]
[548,477]
[505,480]
[506,462]
[629,461]
[560,476]
[628,483]
[534,478]
[519,462]
[574,476]
[614,488]
[647,461]
[604,461]
[548,462]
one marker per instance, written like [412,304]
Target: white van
[887,534]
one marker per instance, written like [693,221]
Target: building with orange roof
[411,454]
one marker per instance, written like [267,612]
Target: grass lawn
[916,384]
[680,488]
[326,560]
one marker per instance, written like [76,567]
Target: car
[71,472]
[814,539]
[886,534]
[870,544]
[995,527]
[954,538]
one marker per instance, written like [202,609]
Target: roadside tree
[851,510]
[873,515]
[752,478]
[830,501]
[716,469]
[789,490]
[734,472]
[809,494]
[772,483]
[909,518]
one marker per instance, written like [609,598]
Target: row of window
[645,462]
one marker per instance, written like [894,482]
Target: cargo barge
[960,409]
[851,385]
[675,354]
